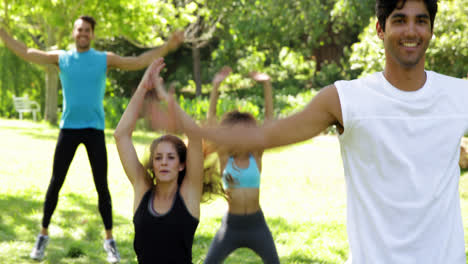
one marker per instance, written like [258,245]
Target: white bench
[24,105]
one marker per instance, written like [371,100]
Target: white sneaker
[38,251]
[112,253]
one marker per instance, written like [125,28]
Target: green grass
[302,196]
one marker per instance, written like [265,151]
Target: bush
[114,108]
[448,51]
[284,104]
[197,108]
[329,73]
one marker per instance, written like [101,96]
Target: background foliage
[302,44]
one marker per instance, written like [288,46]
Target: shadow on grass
[18,208]
[82,230]
[51,133]
[40,132]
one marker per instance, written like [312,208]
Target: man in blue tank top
[83,76]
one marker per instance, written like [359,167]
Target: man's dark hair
[90,20]
[383,9]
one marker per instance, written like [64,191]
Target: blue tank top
[241,178]
[83,77]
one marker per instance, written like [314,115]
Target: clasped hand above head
[221,75]
[151,79]
[161,108]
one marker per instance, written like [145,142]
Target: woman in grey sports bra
[244,224]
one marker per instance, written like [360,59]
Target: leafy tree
[319,29]
[199,35]
[47,25]
[18,78]
[448,53]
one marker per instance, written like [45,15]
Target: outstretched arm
[267,92]
[323,111]
[28,54]
[139,62]
[214,95]
[123,134]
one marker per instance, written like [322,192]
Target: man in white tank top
[400,133]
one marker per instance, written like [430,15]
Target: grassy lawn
[303,199]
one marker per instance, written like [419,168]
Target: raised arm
[146,58]
[267,92]
[123,135]
[192,186]
[214,95]
[28,54]
[323,111]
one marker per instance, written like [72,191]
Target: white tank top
[400,154]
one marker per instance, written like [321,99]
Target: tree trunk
[197,71]
[51,85]
[3,82]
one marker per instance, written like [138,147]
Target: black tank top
[165,238]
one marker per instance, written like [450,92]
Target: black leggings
[67,143]
[237,231]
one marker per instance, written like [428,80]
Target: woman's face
[166,163]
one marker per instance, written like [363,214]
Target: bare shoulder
[110,54]
[53,56]
[111,57]
[114,60]
[323,110]
[45,57]
[329,91]
[331,102]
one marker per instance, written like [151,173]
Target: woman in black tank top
[168,188]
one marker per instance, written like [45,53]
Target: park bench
[25,105]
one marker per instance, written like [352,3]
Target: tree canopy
[302,44]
